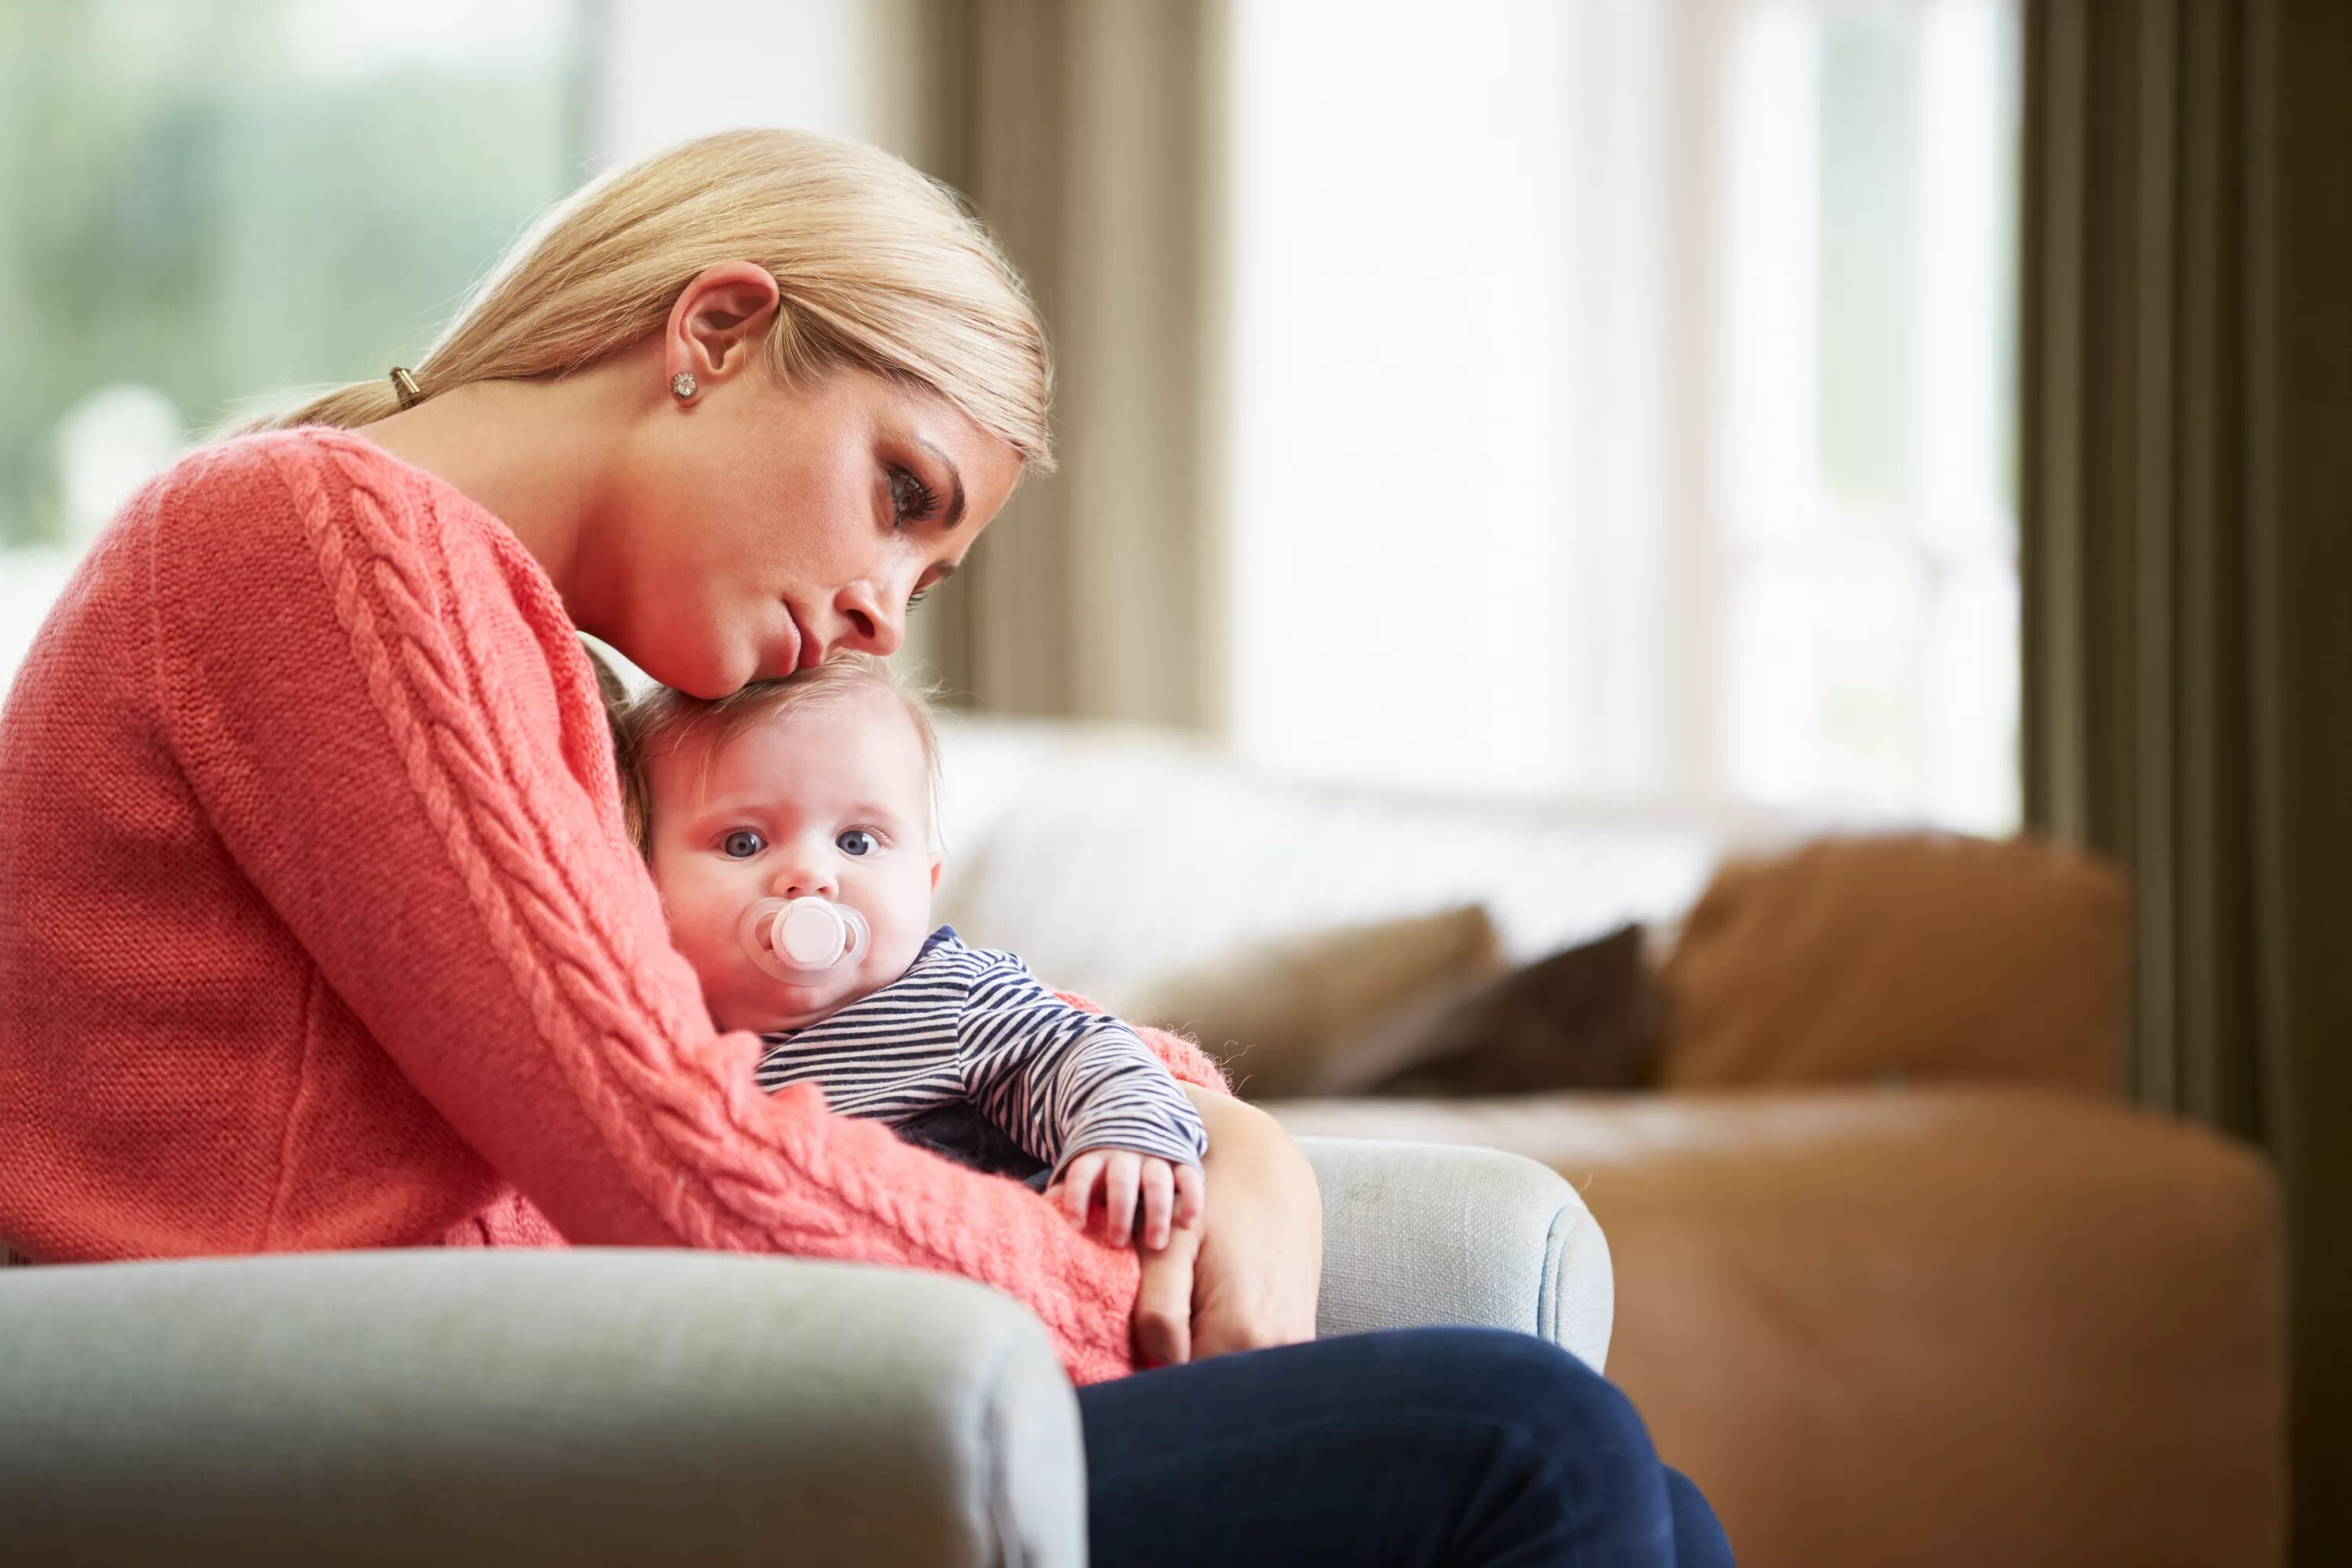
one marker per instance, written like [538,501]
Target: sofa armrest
[1417,1234]
[583,1407]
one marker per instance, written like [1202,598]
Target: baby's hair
[659,720]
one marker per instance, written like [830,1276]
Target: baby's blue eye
[741,844]
[857,841]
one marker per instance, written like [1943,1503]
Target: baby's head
[823,784]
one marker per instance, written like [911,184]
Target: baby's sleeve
[1178,1054]
[1062,1079]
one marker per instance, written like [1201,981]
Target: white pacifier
[802,940]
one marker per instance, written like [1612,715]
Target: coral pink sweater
[318,927]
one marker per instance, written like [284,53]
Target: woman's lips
[788,661]
[812,651]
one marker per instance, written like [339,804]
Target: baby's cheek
[894,951]
[716,957]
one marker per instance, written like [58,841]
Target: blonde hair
[660,721]
[879,267]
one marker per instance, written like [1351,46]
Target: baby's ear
[939,864]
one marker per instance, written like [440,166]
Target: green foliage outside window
[192,201]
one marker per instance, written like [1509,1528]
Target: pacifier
[801,940]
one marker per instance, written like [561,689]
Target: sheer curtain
[1620,399]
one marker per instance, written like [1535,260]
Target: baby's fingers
[1076,1187]
[1159,1199]
[1192,1196]
[1122,1173]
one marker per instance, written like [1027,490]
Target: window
[1622,399]
[209,207]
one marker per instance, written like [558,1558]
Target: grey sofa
[635,1407]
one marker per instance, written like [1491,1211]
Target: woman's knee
[1555,1397]
[1699,1541]
[1575,1457]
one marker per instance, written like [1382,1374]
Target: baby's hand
[1172,1196]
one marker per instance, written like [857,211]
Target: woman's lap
[1417,1447]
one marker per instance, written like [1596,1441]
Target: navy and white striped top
[964,1025]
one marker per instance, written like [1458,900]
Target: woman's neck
[530,453]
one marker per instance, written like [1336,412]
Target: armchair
[631,1406]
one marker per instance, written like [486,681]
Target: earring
[682,386]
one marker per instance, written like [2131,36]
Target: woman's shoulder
[325,491]
[277,469]
[311,524]
[280,561]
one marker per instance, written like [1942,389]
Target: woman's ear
[717,322]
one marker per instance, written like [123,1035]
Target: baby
[791,830]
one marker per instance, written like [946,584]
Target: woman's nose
[876,624]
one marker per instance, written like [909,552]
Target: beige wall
[1082,132]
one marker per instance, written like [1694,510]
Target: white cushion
[1107,856]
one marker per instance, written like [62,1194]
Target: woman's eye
[741,844]
[912,499]
[857,841]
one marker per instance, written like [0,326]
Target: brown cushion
[1587,1017]
[1328,1012]
[1922,957]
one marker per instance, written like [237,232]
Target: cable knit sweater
[318,927]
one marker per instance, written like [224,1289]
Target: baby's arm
[1081,1091]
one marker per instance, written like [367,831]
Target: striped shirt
[968,1027]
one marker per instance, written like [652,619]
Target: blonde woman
[320,926]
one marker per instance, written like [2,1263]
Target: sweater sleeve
[388,718]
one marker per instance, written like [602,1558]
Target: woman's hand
[1164,1306]
[1248,1278]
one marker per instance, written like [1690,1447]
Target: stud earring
[682,386]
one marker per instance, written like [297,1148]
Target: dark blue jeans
[1418,1448]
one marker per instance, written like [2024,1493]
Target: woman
[321,928]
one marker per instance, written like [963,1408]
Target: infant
[791,830]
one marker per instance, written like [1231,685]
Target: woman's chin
[706,673]
[719,678]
